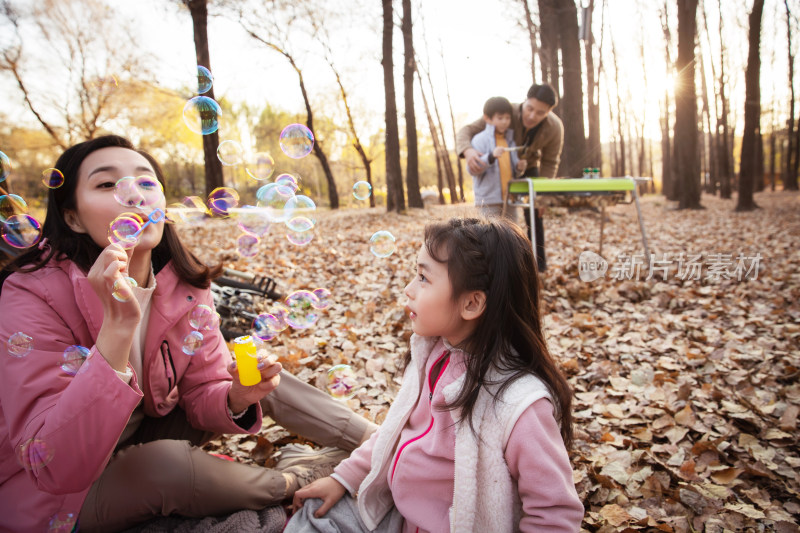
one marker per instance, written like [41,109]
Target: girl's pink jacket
[63,428]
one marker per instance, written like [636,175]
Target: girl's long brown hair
[495,257]
[62,242]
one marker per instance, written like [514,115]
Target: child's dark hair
[544,93]
[495,257]
[62,242]
[496,105]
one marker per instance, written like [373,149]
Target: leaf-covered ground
[686,388]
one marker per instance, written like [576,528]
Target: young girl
[66,427]
[477,437]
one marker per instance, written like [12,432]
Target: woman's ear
[72,220]
[473,304]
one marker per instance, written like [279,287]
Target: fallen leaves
[686,397]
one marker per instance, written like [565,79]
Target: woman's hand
[327,489]
[240,397]
[120,319]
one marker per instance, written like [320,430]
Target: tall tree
[668,187]
[412,158]
[395,200]
[724,135]
[686,109]
[548,51]
[533,36]
[435,139]
[319,152]
[793,150]
[713,160]
[573,157]
[620,167]
[199,12]
[593,148]
[459,166]
[748,166]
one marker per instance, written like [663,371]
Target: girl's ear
[473,304]
[72,220]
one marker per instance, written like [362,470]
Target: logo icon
[591,266]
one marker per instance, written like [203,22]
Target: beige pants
[162,472]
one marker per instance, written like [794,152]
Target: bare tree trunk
[199,11]
[573,157]
[772,159]
[532,37]
[593,149]
[686,109]
[748,166]
[792,150]
[435,139]
[708,141]
[723,148]
[447,164]
[620,171]
[395,200]
[459,166]
[668,188]
[412,160]
[713,133]
[548,51]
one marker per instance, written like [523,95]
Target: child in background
[491,185]
[477,437]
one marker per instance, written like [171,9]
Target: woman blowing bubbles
[65,436]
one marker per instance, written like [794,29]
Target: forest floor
[686,385]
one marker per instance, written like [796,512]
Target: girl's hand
[240,397]
[110,266]
[327,489]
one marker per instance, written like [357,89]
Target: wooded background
[77,70]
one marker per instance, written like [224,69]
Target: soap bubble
[362,190]
[122,291]
[273,197]
[191,211]
[253,220]
[300,206]
[262,329]
[382,244]
[201,115]
[342,382]
[299,231]
[73,358]
[247,245]
[10,205]
[302,309]
[296,141]
[230,153]
[192,342]
[5,166]
[276,318]
[262,166]
[144,191]
[221,200]
[323,295]
[203,318]
[62,522]
[34,454]
[204,79]
[125,230]
[19,344]
[52,178]
[21,231]
[288,180]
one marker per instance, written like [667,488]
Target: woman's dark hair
[543,93]
[62,242]
[495,257]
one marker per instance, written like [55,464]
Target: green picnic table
[523,193]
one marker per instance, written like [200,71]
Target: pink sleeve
[538,461]
[355,468]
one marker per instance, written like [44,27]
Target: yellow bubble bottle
[244,349]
